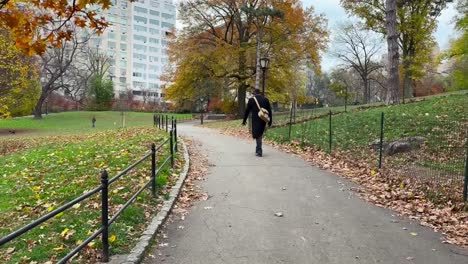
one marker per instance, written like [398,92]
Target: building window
[139,84]
[152,76]
[153,40]
[140,10]
[123,71]
[154,13]
[140,38]
[139,28]
[154,22]
[167,25]
[140,19]
[167,16]
[139,65]
[139,56]
[139,47]
[154,31]
[123,47]
[153,59]
[137,74]
[111,45]
[136,92]
[122,63]
[111,35]
[122,79]
[153,86]
[123,37]
[154,3]
[153,49]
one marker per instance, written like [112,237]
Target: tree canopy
[35,24]
[220,43]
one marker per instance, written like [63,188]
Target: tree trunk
[241,95]
[241,91]
[38,107]
[408,80]
[393,92]
[366,90]
[258,69]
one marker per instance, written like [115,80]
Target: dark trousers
[259,145]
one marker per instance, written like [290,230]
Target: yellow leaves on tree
[222,47]
[34,24]
[18,85]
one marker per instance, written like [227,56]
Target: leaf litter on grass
[53,170]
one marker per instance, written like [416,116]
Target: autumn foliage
[216,55]
[35,24]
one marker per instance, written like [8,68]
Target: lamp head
[264,63]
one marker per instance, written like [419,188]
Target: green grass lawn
[44,170]
[443,121]
[80,122]
[440,119]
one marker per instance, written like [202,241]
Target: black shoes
[258,154]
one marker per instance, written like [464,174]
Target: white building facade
[136,46]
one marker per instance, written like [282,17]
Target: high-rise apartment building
[136,45]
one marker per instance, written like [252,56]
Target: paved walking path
[323,221]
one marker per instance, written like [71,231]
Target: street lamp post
[201,110]
[264,65]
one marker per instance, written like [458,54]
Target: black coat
[258,125]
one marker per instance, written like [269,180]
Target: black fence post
[105,216]
[465,186]
[154,120]
[172,123]
[175,136]
[167,123]
[331,133]
[290,122]
[153,169]
[381,139]
[171,145]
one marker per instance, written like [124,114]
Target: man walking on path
[255,104]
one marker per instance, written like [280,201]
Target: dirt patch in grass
[12,132]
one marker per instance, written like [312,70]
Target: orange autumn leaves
[35,24]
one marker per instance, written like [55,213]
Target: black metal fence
[435,155]
[170,142]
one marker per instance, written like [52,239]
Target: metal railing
[104,190]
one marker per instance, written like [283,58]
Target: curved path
[323,221]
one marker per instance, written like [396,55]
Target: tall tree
[56,65]
[358,49]
[416,21]
[393,94]
[458,52]
[18,73]
[36,23]
[227,29]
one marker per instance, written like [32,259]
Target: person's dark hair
[257,91]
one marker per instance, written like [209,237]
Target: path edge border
[137,253]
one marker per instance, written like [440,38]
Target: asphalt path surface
[322,221]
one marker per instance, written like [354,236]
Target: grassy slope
[443,121]
[73,122]
[434,118]
[51,170]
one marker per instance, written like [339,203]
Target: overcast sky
[336,14]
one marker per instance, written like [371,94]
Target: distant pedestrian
[94,121]
[260,108]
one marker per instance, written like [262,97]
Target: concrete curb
[137,253]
